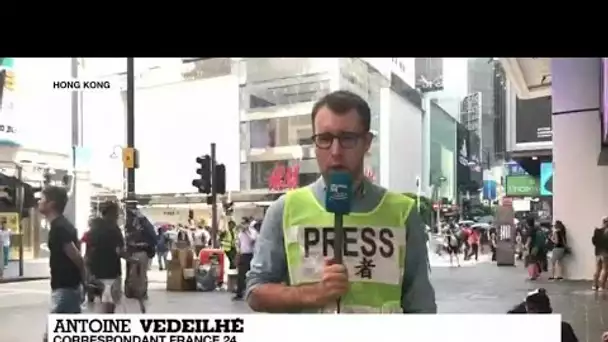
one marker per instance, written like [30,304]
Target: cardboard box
[185,257]
[180,278]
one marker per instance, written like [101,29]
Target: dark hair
[57,195]
[342,102]
[109,209]
[530,221]
[538,301]
[560,225]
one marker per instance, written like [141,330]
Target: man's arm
[266,288]
[418,295]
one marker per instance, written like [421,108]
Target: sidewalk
[32,270]
[487,288]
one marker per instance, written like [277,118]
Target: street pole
[130,201]
[214,223]
[20,193]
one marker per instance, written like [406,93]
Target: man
[5,239]
[600,244]
[66,263]
[385,266]
[141,246]
[105,248]
[228,243]
[246,243]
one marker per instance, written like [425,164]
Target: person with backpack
[141,246]
[536,248]
[453,246]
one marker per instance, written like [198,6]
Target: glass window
[276,132]
[287,91]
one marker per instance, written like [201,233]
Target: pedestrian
[246,242]
[453,245]
[535,246]
[65,262]
[106,247]
[600,242]
[560,245]
[228,243]
[141,247]
[5,238]
[538,302]
[293,270]
[474,237]
[162,248]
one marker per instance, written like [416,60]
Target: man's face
[44,206]
[340,142]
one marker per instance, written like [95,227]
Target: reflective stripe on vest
[374,250]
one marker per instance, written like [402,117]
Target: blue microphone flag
[339,193]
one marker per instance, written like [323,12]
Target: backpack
[453,241]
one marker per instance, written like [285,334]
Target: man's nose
[336,149]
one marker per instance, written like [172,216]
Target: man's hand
[334,283]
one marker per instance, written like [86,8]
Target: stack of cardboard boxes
[181,270]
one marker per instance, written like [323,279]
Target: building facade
[277,97]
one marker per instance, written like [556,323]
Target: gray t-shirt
[269,264]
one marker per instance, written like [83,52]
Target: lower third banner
[300,328]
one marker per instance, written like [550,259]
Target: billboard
[533,120]
[8,117]
[522,186]
[546,179]
[463,172]
[469,173]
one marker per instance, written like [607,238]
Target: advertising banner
[533,120]
[469,173]
[475,162]
[522,186]
[463,171]
[546,179]
[505,236]
[8,118]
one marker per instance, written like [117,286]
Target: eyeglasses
[347,140]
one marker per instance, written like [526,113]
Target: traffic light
[220,179]
[203,184]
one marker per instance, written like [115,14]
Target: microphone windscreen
[339,193]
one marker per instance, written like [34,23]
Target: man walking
[105,248]
[66,263]
[385,268]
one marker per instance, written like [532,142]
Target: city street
[473,288]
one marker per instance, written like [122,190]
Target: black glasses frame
[346,140]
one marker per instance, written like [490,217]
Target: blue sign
[489,190]
[546,179]
[512,168]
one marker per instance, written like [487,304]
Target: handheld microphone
[338,199]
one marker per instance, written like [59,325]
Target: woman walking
[560,243]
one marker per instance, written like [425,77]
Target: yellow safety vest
[374,249]
[228,241]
